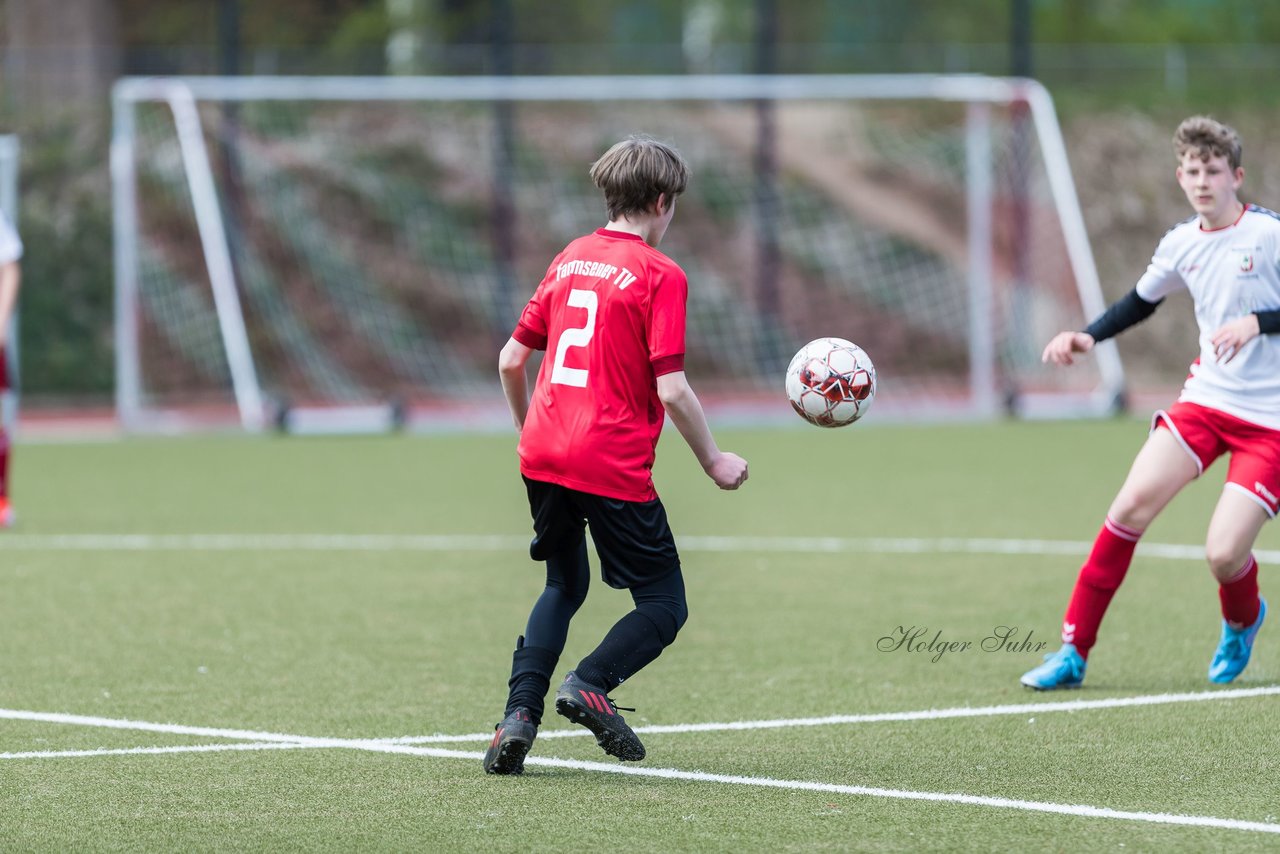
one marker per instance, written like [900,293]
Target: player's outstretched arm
[729,471]
[1130,309]
[1062,348]
[515,379]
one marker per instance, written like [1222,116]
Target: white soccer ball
[831,382]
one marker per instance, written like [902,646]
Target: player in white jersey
[10,279]
[1228,257]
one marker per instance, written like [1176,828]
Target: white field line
[671,773]
[131,751]
[275,738]
[176,729]
[881,717]
[924,714]
[262,542]
[502,543]
[902,794]
[731,726]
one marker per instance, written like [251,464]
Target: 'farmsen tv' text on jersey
[610,313]
[1231,272]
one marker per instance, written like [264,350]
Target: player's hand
[1228,340]
[729,471]
[1064,345]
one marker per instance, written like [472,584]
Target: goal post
[350,253]
[205,206]
[10,150]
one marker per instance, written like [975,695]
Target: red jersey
[610,313]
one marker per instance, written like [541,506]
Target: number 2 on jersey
[578,336]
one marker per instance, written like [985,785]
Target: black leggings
[663,602]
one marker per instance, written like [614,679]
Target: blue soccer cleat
[1061,669]
[1235,647]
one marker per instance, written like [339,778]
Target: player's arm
[515,379]
[1130,310]
[1228,340]
[10,280]
[1160,279]
[729,471]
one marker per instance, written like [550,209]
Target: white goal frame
[10,153]
[978,92]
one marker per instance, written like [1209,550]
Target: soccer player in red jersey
[1227,257]
[10,279]
[610,314]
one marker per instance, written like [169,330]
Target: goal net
[345,253]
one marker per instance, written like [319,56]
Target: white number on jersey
[576,337]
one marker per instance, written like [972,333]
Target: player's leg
[559,527]
[637,552]
[538,651]
[1248,500]
[568,579]
[640,636]
[560,541]
[633,642]
[1161,469]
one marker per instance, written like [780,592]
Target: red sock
[1097,583]
[4,463]
[1239,596]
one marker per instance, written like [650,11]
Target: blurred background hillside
[1123,73]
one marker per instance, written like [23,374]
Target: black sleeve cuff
[1127,311]
[1268,321]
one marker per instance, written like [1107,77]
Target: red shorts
[1207,434]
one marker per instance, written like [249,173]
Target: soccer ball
[831,382]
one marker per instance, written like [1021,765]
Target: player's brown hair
[1209,138]
[635,171]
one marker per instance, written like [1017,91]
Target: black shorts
[632,538]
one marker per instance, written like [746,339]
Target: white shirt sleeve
[10,244]
[1162,277]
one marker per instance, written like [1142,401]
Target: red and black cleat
[587,705]
[511,742]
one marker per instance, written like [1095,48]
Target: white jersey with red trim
[1231,272]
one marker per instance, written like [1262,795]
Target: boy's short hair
[635,171]
[1209,138]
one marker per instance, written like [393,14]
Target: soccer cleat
[1235,647]
[587,705]
[511,742]
[1061,669]
[7,516]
